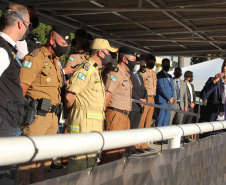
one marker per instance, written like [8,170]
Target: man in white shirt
[14,24]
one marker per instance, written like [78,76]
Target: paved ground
[56,173]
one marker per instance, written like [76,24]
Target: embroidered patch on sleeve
[87,66]
[113,78]
[71,58]
[28,64]
[81,76]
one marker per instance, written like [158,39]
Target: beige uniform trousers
[35,171]
[114,121]
[145,120]
[81,124]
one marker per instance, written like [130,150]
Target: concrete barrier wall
[202,163]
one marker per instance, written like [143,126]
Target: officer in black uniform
[11,93]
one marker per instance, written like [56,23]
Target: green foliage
[196,60]
[1,13]
[41,32]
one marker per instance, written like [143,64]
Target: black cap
[127,51]
[151,57]
[63,32]
[81,33]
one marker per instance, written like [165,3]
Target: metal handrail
[167,108]
[21,149]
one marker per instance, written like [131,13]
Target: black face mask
[191,79]
[166,68]
[151,65]
[106,59]
[131,64]
[177,75]
[60,50]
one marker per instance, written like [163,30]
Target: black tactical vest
[11,93]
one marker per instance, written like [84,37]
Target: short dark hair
[12,15]
[165,60]
[80,33]
[120,56]
[187,74]
[93,51]
[150,57]
[177,68]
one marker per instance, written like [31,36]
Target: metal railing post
[174,142]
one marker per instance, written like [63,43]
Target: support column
[208,57]
[180,61]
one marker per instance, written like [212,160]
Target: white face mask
[136,67]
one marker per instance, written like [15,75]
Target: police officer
[118,92]
[41,80]
[150,82]
[14,24]
[82,54]
[86,98]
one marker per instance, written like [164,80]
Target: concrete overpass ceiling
[161,27]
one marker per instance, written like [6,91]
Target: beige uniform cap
[102,44]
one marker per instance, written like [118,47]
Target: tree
[41,32]
[196,60]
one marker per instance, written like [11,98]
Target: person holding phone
[214,92]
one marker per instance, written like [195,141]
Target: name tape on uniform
[81,76]
[28,64]
[113,78]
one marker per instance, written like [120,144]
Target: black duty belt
[118,110]
[151,96]
[54,108]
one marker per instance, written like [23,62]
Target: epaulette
[115,69]
[34,52]
[143,71]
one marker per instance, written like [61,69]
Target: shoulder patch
[86,66]
[81,76]
[71,58]
[113,78]
[34,52]
[27,64]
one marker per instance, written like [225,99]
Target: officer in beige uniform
[41,80]
[150,82]
[118,94]
[86,99]
[75,59]
[82,53]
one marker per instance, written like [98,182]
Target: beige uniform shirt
[43,75]
[88,86]
[75,59]
[120,86]
[150,81]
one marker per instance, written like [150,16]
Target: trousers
[36,171]
[114,121]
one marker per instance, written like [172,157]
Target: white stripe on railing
[21,149]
